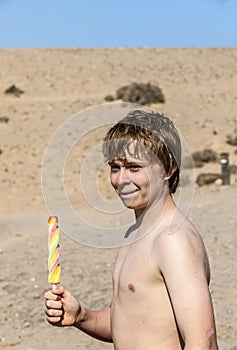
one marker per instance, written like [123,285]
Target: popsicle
[54,252]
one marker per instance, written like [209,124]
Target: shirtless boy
[161,298]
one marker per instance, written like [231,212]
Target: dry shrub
[141,93]
[204,156]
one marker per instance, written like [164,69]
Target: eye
[114,168]
[134,168]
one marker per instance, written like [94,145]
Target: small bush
[140,93]
[204,156]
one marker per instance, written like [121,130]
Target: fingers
[59,290]
[55,294]
[54,320]
[62,308]
[52,304]
[54,311]
[54,308]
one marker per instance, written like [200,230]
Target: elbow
[204,342]
[212,340]
[209,345]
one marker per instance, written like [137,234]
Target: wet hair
[152,135]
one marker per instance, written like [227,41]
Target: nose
[123,177]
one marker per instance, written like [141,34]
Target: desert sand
[199,86]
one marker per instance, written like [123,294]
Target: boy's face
[138,182]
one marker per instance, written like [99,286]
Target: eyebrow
[127,163]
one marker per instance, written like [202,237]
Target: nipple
[131,287]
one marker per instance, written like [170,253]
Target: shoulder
[178,235]
[180,246]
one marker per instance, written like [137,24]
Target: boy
[161,298]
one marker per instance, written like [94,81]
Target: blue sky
[130,23]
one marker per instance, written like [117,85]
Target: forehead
[121,148]
[129,160]
[130,155]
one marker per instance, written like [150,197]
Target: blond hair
[153,135]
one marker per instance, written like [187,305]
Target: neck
[158,214]
[160,211]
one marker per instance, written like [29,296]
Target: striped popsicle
[54,252]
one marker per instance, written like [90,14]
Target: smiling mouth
[127,193]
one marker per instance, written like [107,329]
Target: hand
[62,307]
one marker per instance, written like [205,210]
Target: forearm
[95,323]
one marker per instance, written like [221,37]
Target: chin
[133,206]
[128,204]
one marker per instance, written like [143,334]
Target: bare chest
[135,269]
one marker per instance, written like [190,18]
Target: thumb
[59,290]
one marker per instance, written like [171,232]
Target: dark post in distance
[225,169]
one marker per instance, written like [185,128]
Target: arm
[95,323]
[183,263]
[63,309]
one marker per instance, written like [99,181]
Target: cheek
[113,180]
[142,180]
[155,182]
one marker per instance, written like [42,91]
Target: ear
[168,176]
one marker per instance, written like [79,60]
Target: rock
[208,178]
[14,90]
[232,139]
[4,119]
[26,324]
[109,98]
[218,182]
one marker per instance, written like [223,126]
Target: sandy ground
[200,90]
